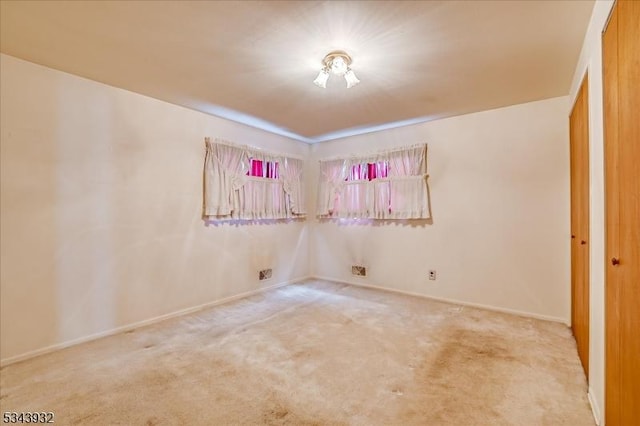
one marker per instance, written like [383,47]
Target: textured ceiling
[254,61]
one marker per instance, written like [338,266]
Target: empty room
[320,212]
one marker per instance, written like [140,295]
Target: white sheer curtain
[356,198]
[261,197]
[408,191]
[332,176]
[293,185]
[386,185]
[225,169]
[231,193]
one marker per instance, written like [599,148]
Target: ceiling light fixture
[338,63]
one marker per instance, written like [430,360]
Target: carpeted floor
[315,353]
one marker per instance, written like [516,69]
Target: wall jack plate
[432,275]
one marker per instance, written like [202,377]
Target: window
[232,192]
[385,185]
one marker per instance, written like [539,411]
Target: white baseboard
[447,300]
[128,327]
[595,408]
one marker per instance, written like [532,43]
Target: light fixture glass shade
[321,79]
[351,78]
[338,66]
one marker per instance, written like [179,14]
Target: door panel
[579,143]
[629,208]
[621,79]
[612,223]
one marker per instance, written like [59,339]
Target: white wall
[101,195]
[591,60]
[499,185]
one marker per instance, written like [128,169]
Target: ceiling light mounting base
[337,61]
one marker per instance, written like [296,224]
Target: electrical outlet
[359,271]
[432,275]
[265,274]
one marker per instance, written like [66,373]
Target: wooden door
[579,143]
[621,84]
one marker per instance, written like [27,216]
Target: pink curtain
[256,168]
[273,170]
[368,171]
[265,169]
[379,169]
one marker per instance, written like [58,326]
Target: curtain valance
[389,184]
[242,182]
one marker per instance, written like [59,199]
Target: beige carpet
[315,353]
